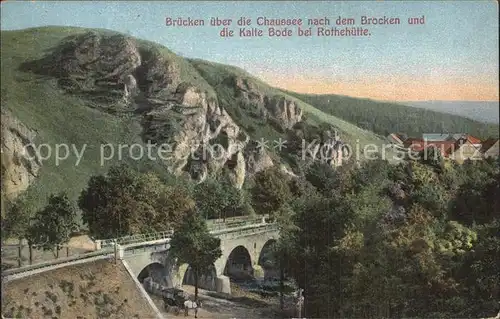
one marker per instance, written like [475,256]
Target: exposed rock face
[116,74]
[120,76]
[237,175]
[247,90]
[20,163]
[157,77]
[257,159]
[112,72]
[130,84]
[330,151]
[92,60]
[285,170]
[197,129]
[285,111]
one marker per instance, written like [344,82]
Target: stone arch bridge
[244,252]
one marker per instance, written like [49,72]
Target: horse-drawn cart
[174,299]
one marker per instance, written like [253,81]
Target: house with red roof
[473,140]
[466,148]
[457,147]
[490,148]
[417,145]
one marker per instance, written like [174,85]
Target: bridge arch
[239,264]
[156,271]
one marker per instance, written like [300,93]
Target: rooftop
[488,144]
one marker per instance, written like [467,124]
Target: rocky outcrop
[197,130]
[157,76]
[112,71]
[116,74]
[257,158]
[96,57]
[20,163]
[288,172]
[91,62]
[237,170]
[331,151]
[285,111]
[247,90]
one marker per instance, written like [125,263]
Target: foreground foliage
[413,240]
[125,202]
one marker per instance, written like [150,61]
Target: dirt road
[240,304]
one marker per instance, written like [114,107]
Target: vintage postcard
[274,159]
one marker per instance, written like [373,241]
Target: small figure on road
[190,304]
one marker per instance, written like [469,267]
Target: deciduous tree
[193,244]
[53,225]
[271,191]
[217,199]
[125,202]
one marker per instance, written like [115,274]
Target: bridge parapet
[148,247]
[245,231]
[236,222]
[213,225]
[224,234]
[141,243]
[132,239]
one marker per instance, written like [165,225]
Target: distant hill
[483,111]
[217,75]
[385,117]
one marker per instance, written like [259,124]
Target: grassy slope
[383,117]
[215,74]
[100,289]
[60,118]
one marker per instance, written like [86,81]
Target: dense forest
[384,117]
[413,240]
[418,239]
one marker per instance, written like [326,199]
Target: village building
[457,147]
[466,148]
[490,148]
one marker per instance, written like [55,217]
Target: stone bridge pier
[242,254]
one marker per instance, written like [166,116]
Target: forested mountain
[384,118]
[483,111]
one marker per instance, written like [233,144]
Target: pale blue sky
[458,45]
